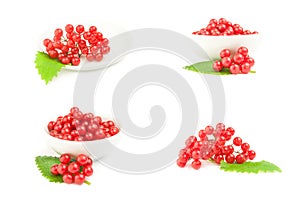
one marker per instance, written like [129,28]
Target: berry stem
[87,182]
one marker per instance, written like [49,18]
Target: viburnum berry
[65,158]
[54,169]
[217,66]
[78,126]
[79,179]
[238,58]
[225,53]
[68,178]
[215,144]
[223,27]
[75,43]
[235,69]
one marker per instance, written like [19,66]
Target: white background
[264,108]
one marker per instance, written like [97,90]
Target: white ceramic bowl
[212,45]
[95,149]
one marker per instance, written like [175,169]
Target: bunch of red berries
[73,171]
[223,27]
[77,126]
[240,62]
[212,143]
[77,42]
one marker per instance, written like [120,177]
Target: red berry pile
[223,27]
[217,144]
[73,171]
[239,62]
[78,126]
[77,42]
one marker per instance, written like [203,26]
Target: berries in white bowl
[223,34]
[81,133]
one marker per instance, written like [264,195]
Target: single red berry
[237,141]
[209,130]
[218,158]
[251,154]
[217,66]
[68,178]
[58,32]
[225,53]
[250,61]
[238,58]
[65,60]
[53,53]
[54,169]
[196,164]
[243,51]
[73,168]
[230,158]
[234,69]
[46,42]
[79,178]
[202,134]
[181,163]
[90,57]
[75,61]
[98,57]
[93,29]
[79,28]
[69,28]
[65,158]
[82,159]
[245,68]
[62,168]
[226,62]
[245,147]
[196,154]
[240,158]
[231,130]
[51,125]
[190,141]
[88,170]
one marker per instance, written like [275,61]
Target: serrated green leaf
[250,167]
[44,164]
[205,67]
[47,67]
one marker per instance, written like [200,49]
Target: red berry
[231,130]
[225,53]
[82,159]
[209,130]
[93,29]
[217,66]
[79,179]
[46,42]
[54,169]
[238,58]
[226,62]
[196,154]
[250,61]
[202,134]
[230,158]
[181,163]
[196,164]
[65,158]
[251,154]
[69,28]
[53,53]
[88,170]
[68,178]
[218,158]
[65,60]
[190,141]
[75,61]
[240,158]
[98,57]
[73,168]
[237,141]
[58,32]
[62,168]
[234,69]
[243,51]
[90,57]
[245,68]
[79,28]
[245,147]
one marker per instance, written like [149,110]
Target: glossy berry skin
[245,68]
[240,159]
[65,158]
[69,28]
[79,179]
[68,178]
[237,141]
[62,168]
[196,164]
[217,66]
[238,58]
[251,154]
[54,169]
[73,168]
[88,170]
[234,69]
[250,61]
[245,147]
[82,159]
[226,62]
[230,158]
[225,53]
[180,163]
[243,51]
[196,154]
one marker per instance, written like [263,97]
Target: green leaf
[250,167]
[206,68]
[44,164]
[47,67]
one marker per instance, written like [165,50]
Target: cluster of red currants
[223,27]
[211,144]
[77,126]
[73,171]
[240,62]
[77,42]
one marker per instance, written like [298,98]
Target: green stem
[87,182]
